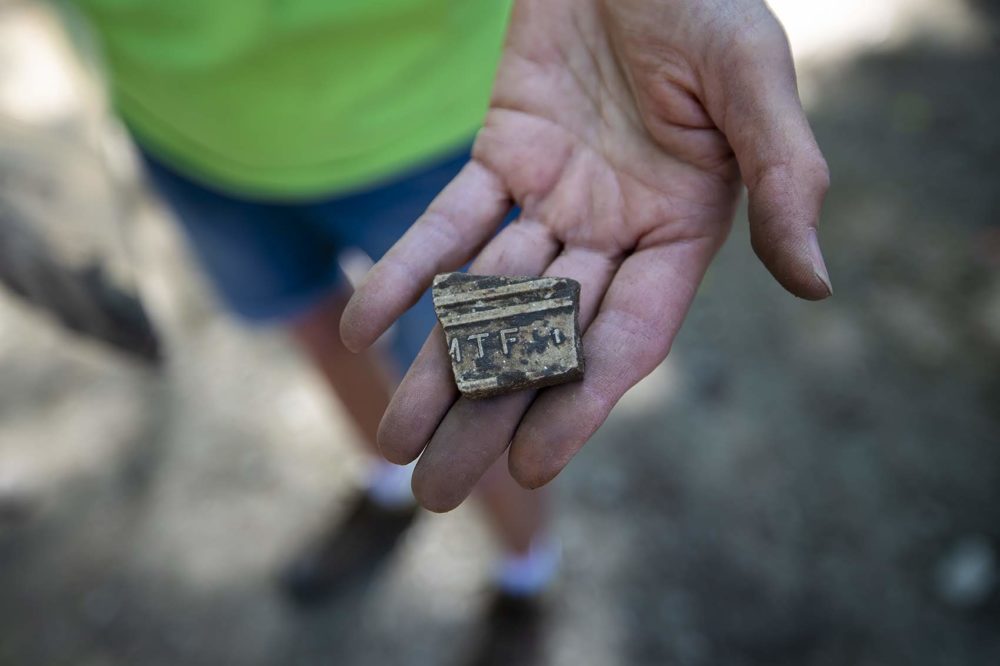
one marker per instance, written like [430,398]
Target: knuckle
[820,173]
[757,32]
[806,171]
[598,402]
[810,165]
[439,227]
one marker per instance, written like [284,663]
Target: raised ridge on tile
[507,334]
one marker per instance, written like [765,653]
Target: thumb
[758,109]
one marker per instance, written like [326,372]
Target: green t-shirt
[299,98]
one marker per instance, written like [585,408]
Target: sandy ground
[800,484]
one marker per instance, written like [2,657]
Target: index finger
[456,224]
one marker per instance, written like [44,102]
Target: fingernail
[818,265]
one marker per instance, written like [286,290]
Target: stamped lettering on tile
[507,334]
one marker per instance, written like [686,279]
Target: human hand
[621,128]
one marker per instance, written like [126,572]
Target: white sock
[389,485]
[527,574]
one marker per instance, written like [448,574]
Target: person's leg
[372,221]
[270,265]
[517,516]
[360,381]
[515,616]
[363,384]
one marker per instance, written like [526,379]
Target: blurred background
[799,483]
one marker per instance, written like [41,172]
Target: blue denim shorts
[271,262]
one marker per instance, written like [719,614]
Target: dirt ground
[799,484]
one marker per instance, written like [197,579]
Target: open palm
[621,128]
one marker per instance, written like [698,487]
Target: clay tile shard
[507,334]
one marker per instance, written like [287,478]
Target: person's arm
[624,130]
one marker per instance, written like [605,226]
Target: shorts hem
[288,308]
